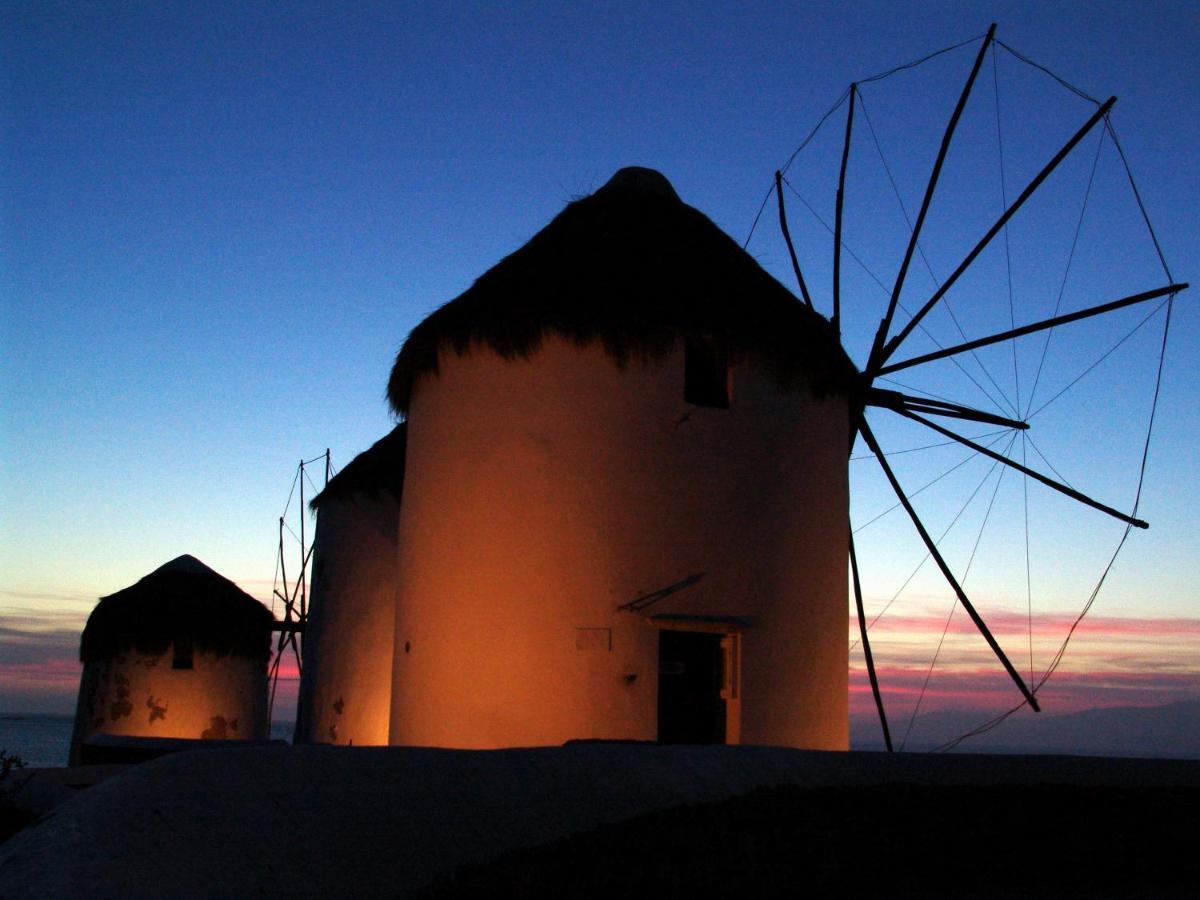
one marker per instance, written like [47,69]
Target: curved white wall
[346,685]
[138,695]
[541,494]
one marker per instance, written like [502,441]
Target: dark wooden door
[690,707]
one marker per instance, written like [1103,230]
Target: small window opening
[183,654]
[705,372]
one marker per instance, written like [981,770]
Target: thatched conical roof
[379,469]
[181,599]
[633,267]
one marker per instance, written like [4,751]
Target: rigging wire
[1028,564]
[929,268]
[1012,323]
[1137,195]
[1066,274]
[955,603]
[1038,451]
[941,537]
[842,99]
[1058,656]
[887,291]
[1026,441]
[970,456]
[977,437]
[1070,87]
[913,389]
[1150,315]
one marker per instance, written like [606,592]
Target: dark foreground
[894,841]
[616,820]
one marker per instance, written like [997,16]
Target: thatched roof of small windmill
[635,268]
[377,470]
[182,599]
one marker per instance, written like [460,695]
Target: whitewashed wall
[346,688]
[542,494]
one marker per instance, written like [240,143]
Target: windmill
[664,567]
[891,349]
[292,591]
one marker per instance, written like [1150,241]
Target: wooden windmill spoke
[1049,482]
[882,357]
[899,402]
[787,238]
[837,234]
[862,630]
[886,324]
[1014,333]
[869,437]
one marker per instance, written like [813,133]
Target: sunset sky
[220,220]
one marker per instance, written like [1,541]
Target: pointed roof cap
[635,268]
[183,565]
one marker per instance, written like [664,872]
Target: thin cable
[1066,274]
[954,604]
[1058,657]
[842,99]
[928,446]
[1138,196]
[923,59]
[803,144]
[912,720]
[925,486]
[1028,565]
[292,533]
[1025,59]
[981,729]
[941,537]
[291,494]
[1046,460]
[929,268]
[958,365]
[1103,356]
[912,388]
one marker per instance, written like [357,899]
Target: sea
[44,741]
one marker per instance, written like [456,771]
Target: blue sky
[220,220]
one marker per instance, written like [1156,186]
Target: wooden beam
[992,232]
[869,437]
[862,630]
[1013,333]
[787,237]
[1038,476]
[837,219]
[899,402]
[886,323]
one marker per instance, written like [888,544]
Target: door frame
[730,628]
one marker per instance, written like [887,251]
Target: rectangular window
[705,372]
